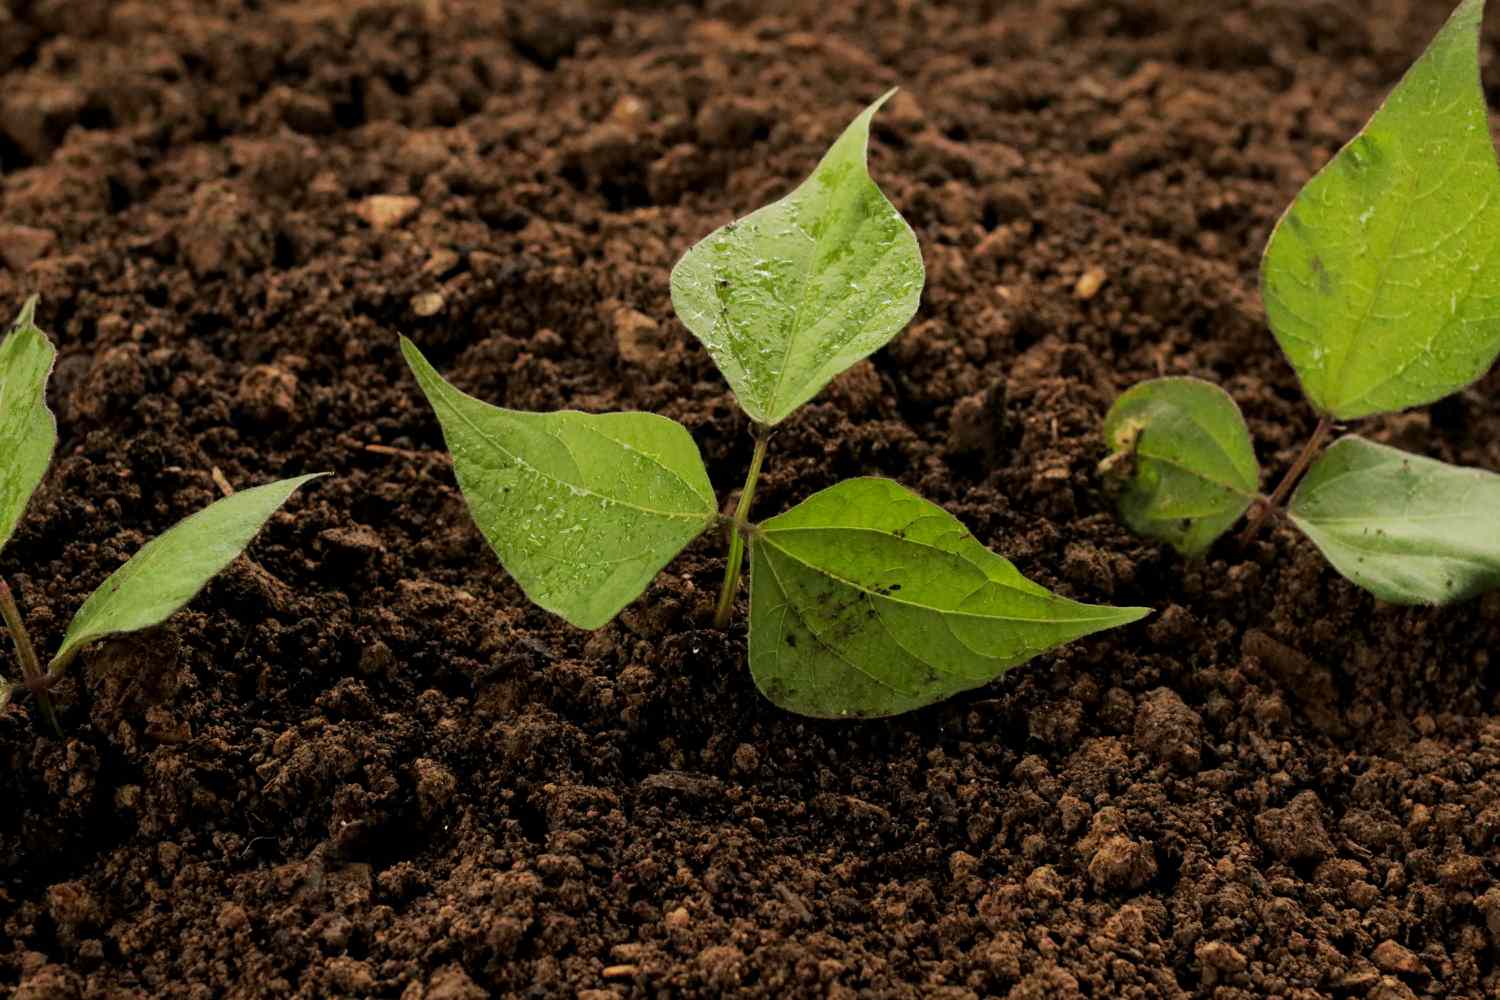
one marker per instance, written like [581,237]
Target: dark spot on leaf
[1320,272]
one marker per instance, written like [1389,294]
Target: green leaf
[582,509]
[28,432]
[1408,529]
[866,600]
[794,293]
[169,570]
[1193,470]
[1382,282]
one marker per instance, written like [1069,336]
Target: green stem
[737,530]
[31,667]
[1264,508]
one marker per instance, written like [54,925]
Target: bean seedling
[1382,288]
[865,599]
[158,580]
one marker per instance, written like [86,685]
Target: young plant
[865,600]
[1382,286]
[158,580]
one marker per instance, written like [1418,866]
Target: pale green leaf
[1191,464]
[28,432]
[168,571]
[582,509]
[866,600]
[1382,281]
[794,293]
[1408,529]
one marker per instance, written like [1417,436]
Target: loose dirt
[362,765]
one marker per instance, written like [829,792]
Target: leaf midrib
[766,534]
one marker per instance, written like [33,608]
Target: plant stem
[737,530]
[31,668]
[1263,508]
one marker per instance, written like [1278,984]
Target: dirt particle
[1089,283]
[435,787]
[1122,863]
[1295,832]
[733,121]
[427,304]
[20,246]
[268,395]
[1389,956]
[640,340]
[387,211]
[1169,730]
[722,966]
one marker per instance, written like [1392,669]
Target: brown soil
[361,765]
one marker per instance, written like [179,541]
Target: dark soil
[360,764]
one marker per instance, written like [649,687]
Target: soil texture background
[361,765]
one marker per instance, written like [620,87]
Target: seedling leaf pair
[163,576]
[865,599]
[1382,286]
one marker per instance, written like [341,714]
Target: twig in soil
[217,475]
[385,449]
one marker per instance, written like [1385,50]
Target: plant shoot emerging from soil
[1382,286]
[158,580]
[865,599]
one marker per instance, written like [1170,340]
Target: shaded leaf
[168,571]
[1192,468]
[582,509]
[794,293]
[1382,281]
[1408,529]
[28,431]
[866,600]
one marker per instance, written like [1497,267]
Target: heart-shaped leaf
[866,600]
[794,293]
[1191,464]
[1408,529]
[28,431]
[582,509]
[168,571]
[1382,281]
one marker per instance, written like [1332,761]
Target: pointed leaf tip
[1382,280]
[866,600]
[583,510]
[169,571]
[794,293]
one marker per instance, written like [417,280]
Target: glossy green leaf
[1382,281]
[866,600]
[28,432]
[1408,529]
[582,509]
[1191,464]
[794,293]
[168,571]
